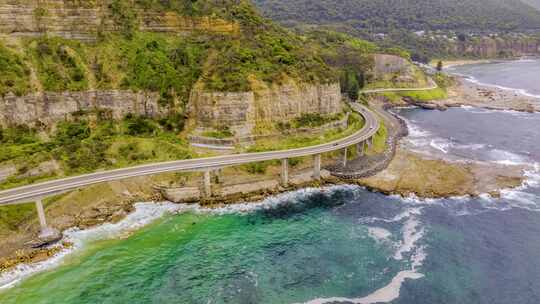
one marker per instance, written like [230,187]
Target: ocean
[522,76]
[340,244]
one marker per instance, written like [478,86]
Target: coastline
[465,92]
[470,182]
[454,63]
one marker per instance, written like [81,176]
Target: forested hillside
[103,84]
[383,15]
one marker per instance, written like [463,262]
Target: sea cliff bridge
[37,192]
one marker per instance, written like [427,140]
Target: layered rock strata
[50,107]
[243,111]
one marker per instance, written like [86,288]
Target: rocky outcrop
[50,107]
[243,111]
[83,20]
[394,69]
[230,143]
[388,64]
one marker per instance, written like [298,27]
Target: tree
[439,66]
[353,87]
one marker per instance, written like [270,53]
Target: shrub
[70,132]
[137,126]
[60,64]
[14,73]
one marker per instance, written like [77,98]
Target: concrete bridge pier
[207,184]
[345,157]
[218,175]
[360,148]
[41,215]
[46,233]
[285,172]
[317,166]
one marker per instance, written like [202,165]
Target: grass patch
[379,140]
[14,73]
[427,95]
[221,133]
[60,63]
[11,216]
[435,94]
[356,122]
[83,147]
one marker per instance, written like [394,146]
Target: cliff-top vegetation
[384,15]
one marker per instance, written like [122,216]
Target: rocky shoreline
[466,93]
[425,178]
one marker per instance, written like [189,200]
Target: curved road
[40,190]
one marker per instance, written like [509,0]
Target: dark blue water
[337,245]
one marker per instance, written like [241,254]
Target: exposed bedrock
[50,107]
[245,111]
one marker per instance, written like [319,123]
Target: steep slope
[162,49]
[87,85]
[411,14]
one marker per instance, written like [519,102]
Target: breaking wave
[474,80]
[146,213]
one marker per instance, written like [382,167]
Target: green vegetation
[439,66]
[349,55]
[171,66]
[313,120]
[79,147]
[165,63]
[264,51]
[12,216]
[435,94]
[399,20]
[14,73]
[356,122]
[380,16]
[60,64]
[425,95]
[379,140]
[221,132]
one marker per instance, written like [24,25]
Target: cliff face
[50,107]
[243,112]
[82,65]
[85,19]
[487,47]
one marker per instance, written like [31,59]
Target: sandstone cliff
[244,111]
[392,70]
[487,47]
[168,65]
[50,107]
[83,20]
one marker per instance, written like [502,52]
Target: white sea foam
[412,233]
[440,144]
[506,158]
[379,234]
[474,80]
[416,131]
[397,218]
[144,214]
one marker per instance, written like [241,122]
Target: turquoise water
[303,249]
[314,245]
